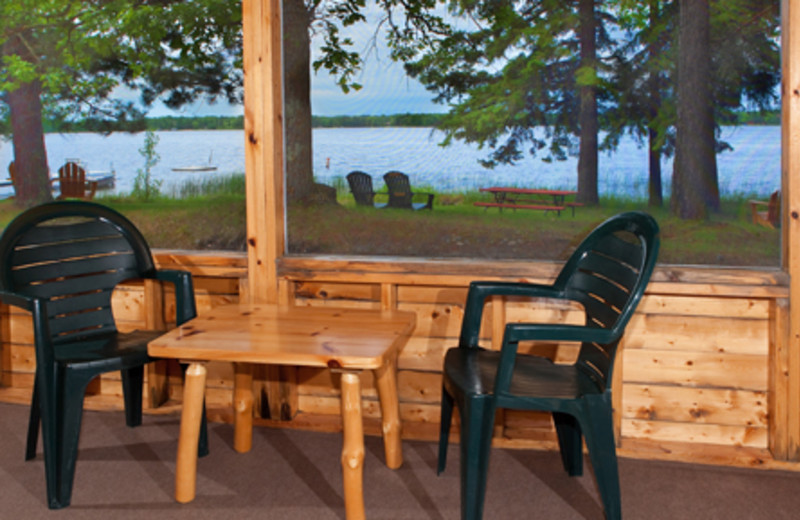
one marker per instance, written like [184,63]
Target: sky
[385,87]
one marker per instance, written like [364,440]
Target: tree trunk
[656,199]
[32,175]
[656,196]
[695,188]
[300,186]
[587,159]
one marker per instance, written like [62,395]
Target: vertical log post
[498,305]
[263,125]
[790,218]
[778,379]
[388,296]
[242,407]
[266,240]
[392,428]
[191,417]
[353,446]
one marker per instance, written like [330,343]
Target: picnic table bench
[534,199]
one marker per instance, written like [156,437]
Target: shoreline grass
[210,214]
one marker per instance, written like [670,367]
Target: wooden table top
[528,191]
[285,335]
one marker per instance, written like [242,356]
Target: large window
[501,106]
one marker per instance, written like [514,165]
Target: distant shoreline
[167,123]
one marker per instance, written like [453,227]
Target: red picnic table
[524,198]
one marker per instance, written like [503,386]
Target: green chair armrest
[516,332]
[476,299]
[17,300]
[185,308]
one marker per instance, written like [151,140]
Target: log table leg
[191,417]
[353,447]
[242,407]
[386,383]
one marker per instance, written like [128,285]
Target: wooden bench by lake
[502,205]
[533,199]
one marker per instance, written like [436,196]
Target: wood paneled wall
[696,370]
[702,373]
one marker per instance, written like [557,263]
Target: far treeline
[395,120]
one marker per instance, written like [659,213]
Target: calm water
[753,168]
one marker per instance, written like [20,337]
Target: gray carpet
[128,473]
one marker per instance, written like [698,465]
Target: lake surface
[752,168]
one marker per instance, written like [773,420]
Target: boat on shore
[106,180]
[210,167]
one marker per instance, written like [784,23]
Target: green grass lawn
[460,229]
[215,219]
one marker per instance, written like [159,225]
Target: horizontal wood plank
[750,436]
[694,405]
[698,334]
[697,369]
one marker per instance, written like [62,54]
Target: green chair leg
[48,399]
[33,425]
[599,435]
[444,429]
[570,443]
[477,426]
[132,382]
[69,428]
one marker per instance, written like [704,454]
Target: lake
[752,168]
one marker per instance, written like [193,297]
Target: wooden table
[524,198]
[348,340]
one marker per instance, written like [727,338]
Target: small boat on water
[106,180]
[194,169]
[210,167]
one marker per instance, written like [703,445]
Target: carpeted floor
[128,473]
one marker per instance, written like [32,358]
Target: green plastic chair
[61,261]
[607,274]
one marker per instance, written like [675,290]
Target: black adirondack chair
[400,194]
[607,275]
[361,188]
[61,261]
